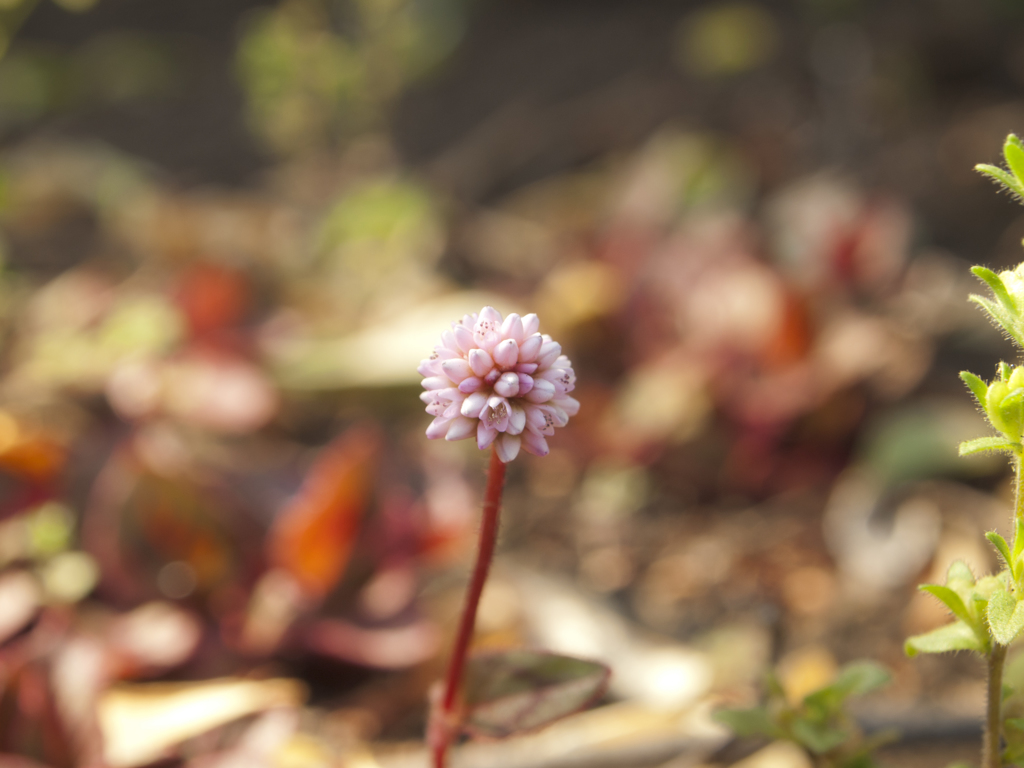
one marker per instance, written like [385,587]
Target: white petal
[490,314]
[480,362]
[507,385]
[542,391]
[530,348]
[507,447]
[531,324]
[536,417]
[506,354]
[535,444]
[512,328]
[485,436]
[463,337]
[460,428]
[516,419]
[438,427]
[473,404]
[470,385]
[436,382]
[549,352]
[429,367]
[496,413]
[570,405]
[456,369]
[559,417]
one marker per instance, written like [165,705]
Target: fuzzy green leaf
[959,576]
[950,599]
[1013,398]
[1002,317]
[1003,549]
[952,637]
[1018,538]
[1014,155]
[995,282]
[984,444]
[978,387]
[1002,177]
[1005,617]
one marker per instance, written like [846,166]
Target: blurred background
[230,230]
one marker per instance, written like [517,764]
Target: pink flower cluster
[500,380]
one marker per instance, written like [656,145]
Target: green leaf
[1003,549]
[998,313]
[1018,538]
[950,599]
[854,679]
[1001,177]
[960,578]
[1013,397]
[817,737]
[520,691]
[1014,154]
[978,387]
[755,721]
[860,677]
[1005,616]
[983,444]
[995,282]
[952,637]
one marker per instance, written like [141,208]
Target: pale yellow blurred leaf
[140,723]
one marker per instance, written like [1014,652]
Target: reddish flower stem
[484,555]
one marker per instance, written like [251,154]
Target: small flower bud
[529,348]
[506,354]
[480,362]
[507,385]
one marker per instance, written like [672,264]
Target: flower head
[499,380]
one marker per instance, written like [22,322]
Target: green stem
[991,750]
[1018,496]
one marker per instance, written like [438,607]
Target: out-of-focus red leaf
[313,536]
[154,533]
[212,297]
[28,452]
[792,339]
